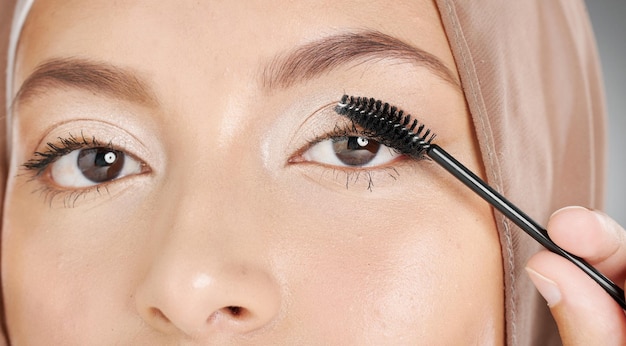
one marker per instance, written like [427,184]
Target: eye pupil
[355,151]
[100,164]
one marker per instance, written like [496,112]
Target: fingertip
[570,208]
[574,285]
[571,215]
[576,229]
[584,312]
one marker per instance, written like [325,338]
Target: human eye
[92,166]
[76,164]
[331,151]
[346,156]
[357,151]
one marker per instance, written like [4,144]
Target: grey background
[608,18]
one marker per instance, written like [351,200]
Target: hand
[584,312]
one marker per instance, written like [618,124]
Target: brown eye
[350,151]
[355,151]
[100,164]
[92,166]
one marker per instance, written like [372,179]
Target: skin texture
[229,234]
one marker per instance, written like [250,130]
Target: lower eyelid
[359,179]
[353,179]
[61,197]
[397,161]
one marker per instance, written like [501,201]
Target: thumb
[584,313]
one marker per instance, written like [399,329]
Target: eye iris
[355,151]
[100,164]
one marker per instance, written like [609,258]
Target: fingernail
[572,207]
[546,287]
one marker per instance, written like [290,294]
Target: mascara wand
[406,135]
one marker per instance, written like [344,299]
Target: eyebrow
[96,77]
[324,55]
[304,63]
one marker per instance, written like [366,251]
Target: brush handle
[518,217]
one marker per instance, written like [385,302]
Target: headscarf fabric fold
[531,77]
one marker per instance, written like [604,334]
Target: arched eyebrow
[326,54]
[301,64]
[96,77]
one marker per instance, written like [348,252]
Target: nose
[206,293]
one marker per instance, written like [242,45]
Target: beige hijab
[532,82]
[531,78]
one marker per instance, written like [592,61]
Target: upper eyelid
[42,159]
[139,142]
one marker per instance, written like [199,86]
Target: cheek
[63,269]
[379,266]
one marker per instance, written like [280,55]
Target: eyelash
[43,159]
[354,174]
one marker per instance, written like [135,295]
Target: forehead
[213,33]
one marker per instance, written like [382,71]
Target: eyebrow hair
[97,77]
[322,56]
[304,63]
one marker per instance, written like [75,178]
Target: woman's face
[178,175]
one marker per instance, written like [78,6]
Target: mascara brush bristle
[387,124]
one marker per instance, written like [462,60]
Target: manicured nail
[546,287]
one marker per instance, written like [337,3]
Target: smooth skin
[229,233]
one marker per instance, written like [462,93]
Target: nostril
[231,312]
[236,311]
